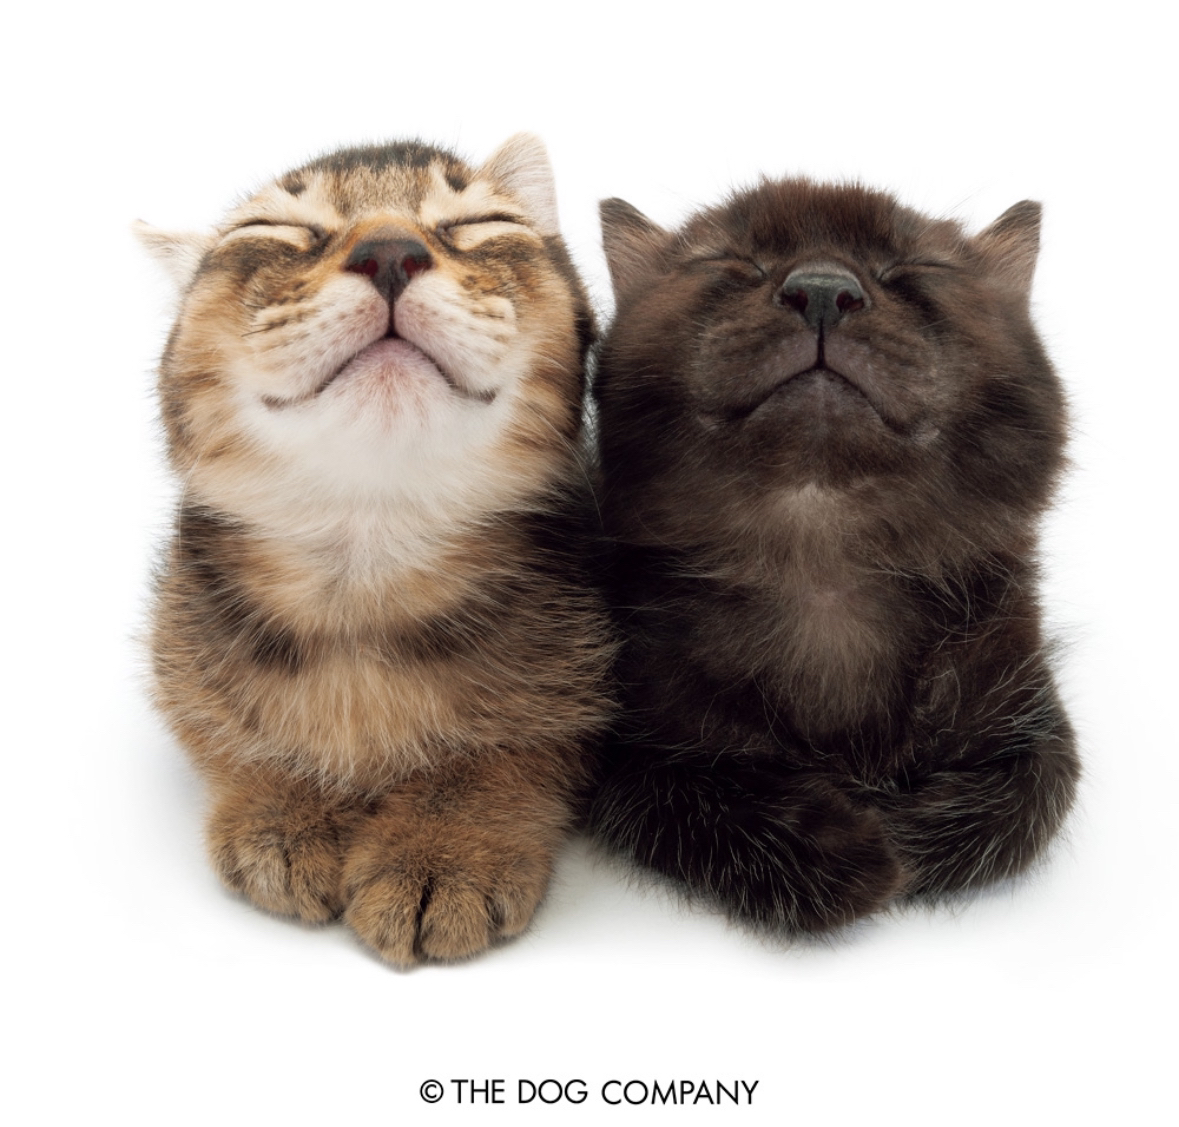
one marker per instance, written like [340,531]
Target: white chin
[391,363]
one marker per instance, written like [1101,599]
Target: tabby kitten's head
[382,326]
[820,349]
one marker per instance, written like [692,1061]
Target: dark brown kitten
[828,432]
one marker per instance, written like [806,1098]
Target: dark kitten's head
[823,342]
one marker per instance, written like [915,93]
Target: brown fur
[373,631]
[824,529]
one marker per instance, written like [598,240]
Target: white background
[137,991]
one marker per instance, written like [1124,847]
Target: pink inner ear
[368,266]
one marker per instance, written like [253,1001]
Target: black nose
[822,297]
[390,259]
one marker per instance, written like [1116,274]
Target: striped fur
[373,629]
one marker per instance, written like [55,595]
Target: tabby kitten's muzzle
[389,259]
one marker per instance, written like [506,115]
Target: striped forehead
[329,200]
[312,207]
[445,203]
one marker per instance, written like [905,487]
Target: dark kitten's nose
[390,259]
[822,297]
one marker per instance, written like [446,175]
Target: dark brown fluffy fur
[373,631]
[836,685]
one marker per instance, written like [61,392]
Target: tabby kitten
[372,631]
[828,433]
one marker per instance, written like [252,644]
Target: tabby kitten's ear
[521,167]
[1011,245]
[634,245]
[180,252]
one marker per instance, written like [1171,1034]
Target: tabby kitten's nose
[823,298]
[390,261]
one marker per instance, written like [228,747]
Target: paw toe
[409,912]
[291,870]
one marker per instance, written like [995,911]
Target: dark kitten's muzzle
[823,296]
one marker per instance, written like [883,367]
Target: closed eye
[474,220]
[736,261]
[470,231]
[899,268]
[275,228]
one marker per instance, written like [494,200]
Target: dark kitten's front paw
[433,891]
[787,852]
[840,863]
[282,847]
[961,829]
[802,862]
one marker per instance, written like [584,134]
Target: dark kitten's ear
[521,167]
[1010,245]
[634,245]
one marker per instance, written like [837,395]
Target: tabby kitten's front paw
[282,847]
[436,891]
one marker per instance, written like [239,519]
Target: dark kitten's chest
[838,646]
[807,653]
